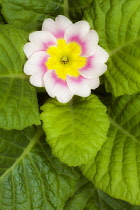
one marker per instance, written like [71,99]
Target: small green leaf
[116,168]
[18,101]
[76,130]
[117,23]
[31,178]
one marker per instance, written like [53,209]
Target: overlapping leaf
[31,178]
[116,168]
[76,130]
[30,15]
[89,198]
[117,23]
[18,101]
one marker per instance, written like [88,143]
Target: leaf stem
[66,9]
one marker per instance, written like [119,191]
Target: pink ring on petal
[57,87]
[36,67]
[82,86]
[92,69]
[79,85]
[40,41]
[80,33]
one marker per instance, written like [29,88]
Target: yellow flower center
[65,59]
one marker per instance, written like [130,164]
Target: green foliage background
[105,146]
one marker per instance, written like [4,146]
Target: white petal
[80,28]
[42,37]
[57,27]
[92,69]
[62,21]
[40,41]
[81,86]
[37,79]
[57,87]
[91,40]
[36,63]
[94,83]
[87,39]
[100,55]
[30,48]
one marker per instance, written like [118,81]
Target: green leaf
[30,15]
[31,178]
[117,23]
[116,167]
[18,101]
[87,197]
[76,130]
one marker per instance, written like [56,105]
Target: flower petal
[79,28]
[30,48]
[57,87]
[100,55]
[93,69]
[80,32]
[40,41]
[82,86]
[57,27]
[36,63]
[37,79]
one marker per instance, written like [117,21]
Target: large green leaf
[29,15]
[76,130]
[18,101]
[31,178]
[116,167]
[87,197]
[117,23]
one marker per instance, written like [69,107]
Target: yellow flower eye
[65,59]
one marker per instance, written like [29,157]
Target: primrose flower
[65,58]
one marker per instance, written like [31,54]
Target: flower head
[65,58]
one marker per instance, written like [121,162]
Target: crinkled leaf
[29,15]
[87,197]
[117,23]
[31,178]
[76,130]
[18,101]
[116,167]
